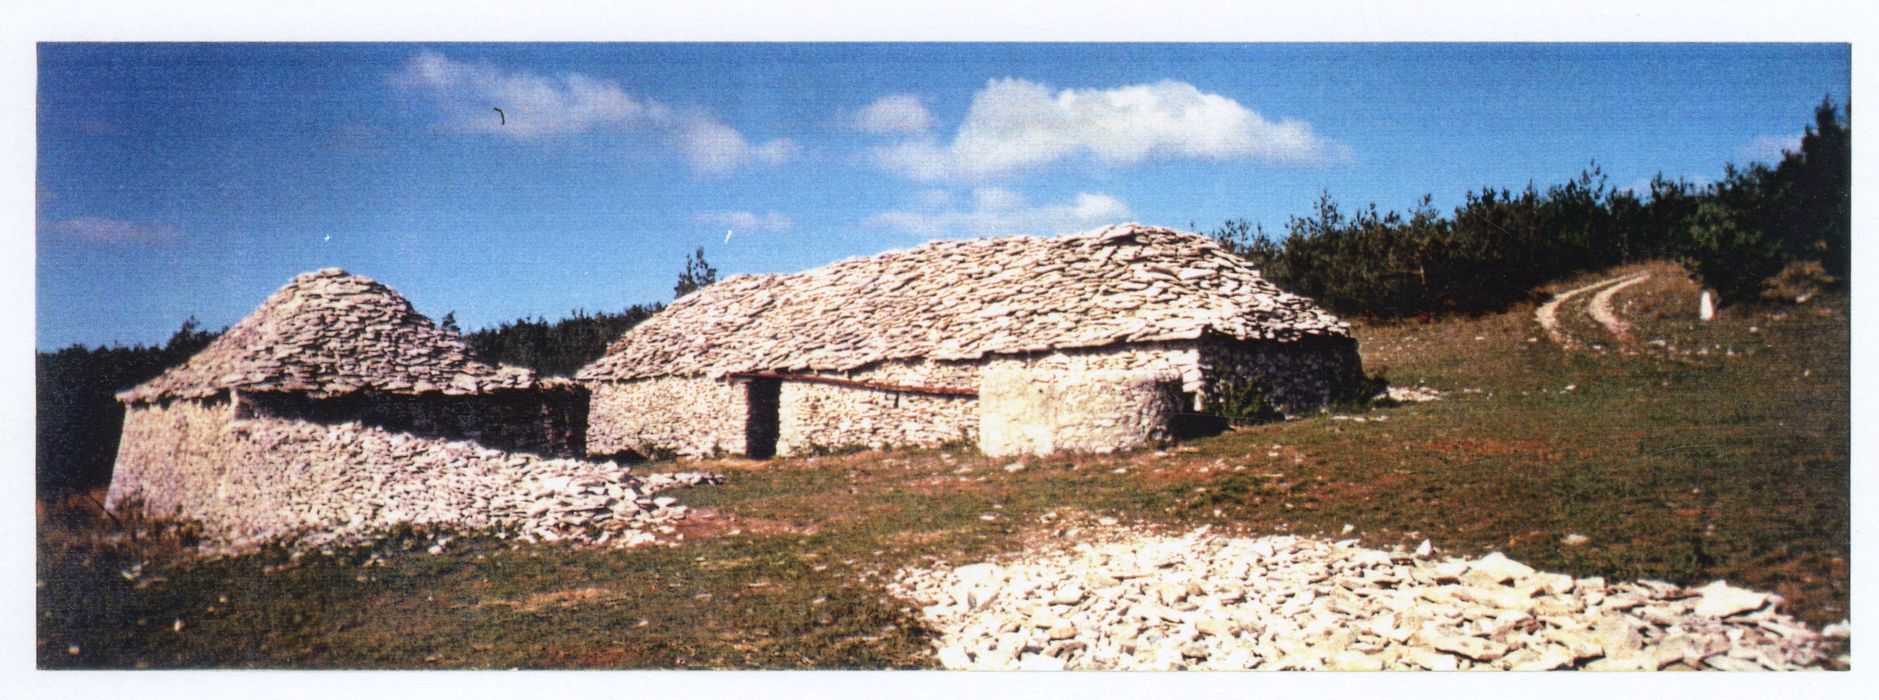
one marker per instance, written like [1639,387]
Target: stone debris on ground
[1412,394]
[1134,601]
[450,485]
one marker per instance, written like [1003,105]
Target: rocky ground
[1123,600]
[619,512]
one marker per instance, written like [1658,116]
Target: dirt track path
[1548,313]
[1601,309]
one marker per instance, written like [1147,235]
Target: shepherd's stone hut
[336,405]
[1094,341]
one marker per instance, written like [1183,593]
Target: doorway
[763,397]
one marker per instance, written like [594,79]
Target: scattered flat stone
[1500,568]
[1722,600]
[1281,602]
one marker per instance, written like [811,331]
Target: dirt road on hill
[1548,313]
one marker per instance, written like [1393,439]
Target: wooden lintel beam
[880,386]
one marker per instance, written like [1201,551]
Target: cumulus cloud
[746,221]
[998,211]
[894,114]
[714,148]
[467,95]
[1014,124]
[1768,149]
[102,230]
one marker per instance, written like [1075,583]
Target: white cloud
[102,230]
[933,199]
[712,147]
[468,95]
[1768,149]
[998,211]
[893,114]
[1014,124]
[746,221]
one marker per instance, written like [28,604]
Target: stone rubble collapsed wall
[1025,411]
[1200,601]
[250,481]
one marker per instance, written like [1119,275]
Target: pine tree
[697,274]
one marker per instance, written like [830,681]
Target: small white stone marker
[1706,309]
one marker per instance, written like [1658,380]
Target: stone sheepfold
[1201,601]
[892,349]
[335,411]
[307,485]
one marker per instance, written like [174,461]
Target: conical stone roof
[963,300]
[329,333]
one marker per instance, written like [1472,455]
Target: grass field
[1730,461]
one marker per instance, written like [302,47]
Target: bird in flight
[500,115]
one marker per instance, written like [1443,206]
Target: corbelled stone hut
[336,404]
[1094,341]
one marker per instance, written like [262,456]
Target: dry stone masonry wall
[249,481]
[685,416]
[549,420]
[1137,601]
[816,417]
[1032,411]
[1299,377]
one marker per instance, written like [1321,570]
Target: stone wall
[685,416]
[1302,376]
[815,417]
[549,421]
[1181,359]
[1036,411]
[697,417]
[251,480]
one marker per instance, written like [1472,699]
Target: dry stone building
[1088,342]
[336,406]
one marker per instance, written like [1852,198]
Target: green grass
[1683,468]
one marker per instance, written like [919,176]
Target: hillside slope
[1697,451]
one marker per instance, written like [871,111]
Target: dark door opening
[761,424]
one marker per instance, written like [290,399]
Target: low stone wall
[815,417]
[686,416]
[247,481]
[1032,411]
[549,421]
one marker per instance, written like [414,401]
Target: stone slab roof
[963,300]
[329,333]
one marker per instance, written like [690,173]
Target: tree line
[78,417]
[1792,218]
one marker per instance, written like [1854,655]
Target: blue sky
[180,179]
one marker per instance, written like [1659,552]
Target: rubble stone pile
[1283,602]
[253,481]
